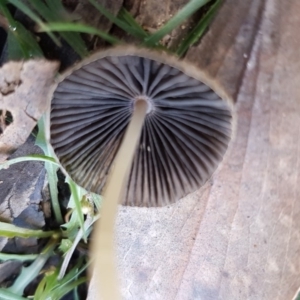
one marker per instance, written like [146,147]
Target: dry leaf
[25,88]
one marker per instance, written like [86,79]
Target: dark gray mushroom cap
[185,134]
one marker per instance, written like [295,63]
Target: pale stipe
[103,237]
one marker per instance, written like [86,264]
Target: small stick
[103,238]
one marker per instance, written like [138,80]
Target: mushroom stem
[103,239]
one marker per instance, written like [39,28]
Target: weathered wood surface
[237,237]
[224,50]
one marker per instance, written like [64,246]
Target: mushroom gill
[186,129]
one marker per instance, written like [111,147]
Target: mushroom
[142,118]
[185,134]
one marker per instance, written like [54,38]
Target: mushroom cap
[185,135]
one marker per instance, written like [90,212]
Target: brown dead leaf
[25,88]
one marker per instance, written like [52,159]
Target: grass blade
[41,288]
[7,295]
[54,12]
[125,16]
[21,43]
[59,293]
[77,27]
[75,41]
[179,18]
[19,257]
[55,5]
[197,32]
[29,273]
[132,29]
[41,141]
[51,170]
[27,11]
[51,287]
[32,157]
[87,224]
[41,8]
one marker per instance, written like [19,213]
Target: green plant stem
[10,231]
[75,193]
[19,257]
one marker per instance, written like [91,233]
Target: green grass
[51,17]
[190,8]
